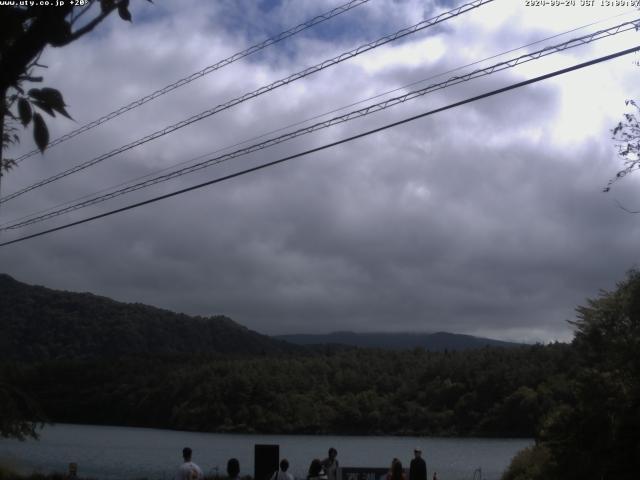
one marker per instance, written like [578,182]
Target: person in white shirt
[330,464]
[188,470]
[282,474]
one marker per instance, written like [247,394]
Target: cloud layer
[486,219]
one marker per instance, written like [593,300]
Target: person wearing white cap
[418,467]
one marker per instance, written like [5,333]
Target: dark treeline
[487,392]
[435,342]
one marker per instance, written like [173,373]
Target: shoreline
[296,434]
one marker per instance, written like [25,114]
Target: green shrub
[532,463]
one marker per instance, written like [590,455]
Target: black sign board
[266,461]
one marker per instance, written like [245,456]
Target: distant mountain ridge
[39,324]
[436,342]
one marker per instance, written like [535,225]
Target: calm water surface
[111,453]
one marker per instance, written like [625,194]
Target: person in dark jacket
[418,467]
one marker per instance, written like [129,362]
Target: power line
[315,117]
[201,73]
[264,89]
[585,39]
[341,119]
[14,223]
[333,144]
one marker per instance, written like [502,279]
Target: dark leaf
[106,5]
[618,128]
[59,32]
[44,106]
[40,132]
[64,112]
[7,164]
[123,11]
[24,109]
[52,98]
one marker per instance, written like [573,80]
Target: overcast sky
[487,219]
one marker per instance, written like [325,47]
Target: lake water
[121,453]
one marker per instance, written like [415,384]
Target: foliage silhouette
[594,432]
[25,31]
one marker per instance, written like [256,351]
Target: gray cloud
[474,220]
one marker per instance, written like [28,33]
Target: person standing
[397,472]
[418,467]
[73,471]
[188,470]
[390,472]
[233,469]
[282,474]
[316,471]
[330,464]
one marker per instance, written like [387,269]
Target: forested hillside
[38,324]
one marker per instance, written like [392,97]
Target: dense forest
[493,391]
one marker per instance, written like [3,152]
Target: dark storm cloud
[477,220]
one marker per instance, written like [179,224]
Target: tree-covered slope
[39,324]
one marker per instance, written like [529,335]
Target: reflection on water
[127,453]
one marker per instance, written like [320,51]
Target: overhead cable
[332,144]
[201,73]
[309,119]
[264,89]
[585,39]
